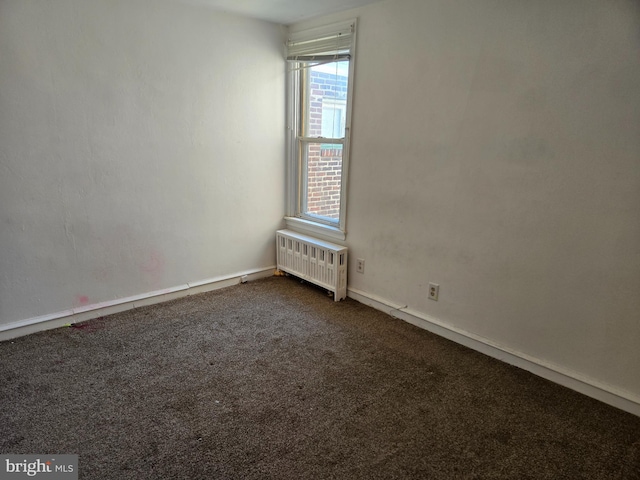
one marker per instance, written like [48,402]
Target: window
[320,69]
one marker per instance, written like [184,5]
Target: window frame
[296,218]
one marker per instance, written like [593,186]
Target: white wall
[141,147]
[496,151]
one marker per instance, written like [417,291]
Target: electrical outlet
[360,265]
[434,289]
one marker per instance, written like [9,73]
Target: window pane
[326,99]
[323,174]
[334,117]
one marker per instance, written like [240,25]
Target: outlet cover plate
[434,290]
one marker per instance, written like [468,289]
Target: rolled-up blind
[321,45]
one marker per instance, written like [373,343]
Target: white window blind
[326,44]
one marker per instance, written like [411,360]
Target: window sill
[311,228]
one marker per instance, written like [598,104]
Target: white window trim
[294,219]
[303,225]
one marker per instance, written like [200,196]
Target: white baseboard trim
[88,312]
[592,388]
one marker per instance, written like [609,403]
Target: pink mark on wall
[153,267]
[154,263]
[81,301]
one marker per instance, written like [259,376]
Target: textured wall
[141,147]
[496,151]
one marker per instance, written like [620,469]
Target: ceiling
[282,11]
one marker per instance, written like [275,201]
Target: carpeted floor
[273,380]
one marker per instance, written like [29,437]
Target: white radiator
[313,260]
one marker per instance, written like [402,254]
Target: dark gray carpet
[272,379]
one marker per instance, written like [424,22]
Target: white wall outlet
[360,265]
[434,289]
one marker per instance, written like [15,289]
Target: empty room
[320,239]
